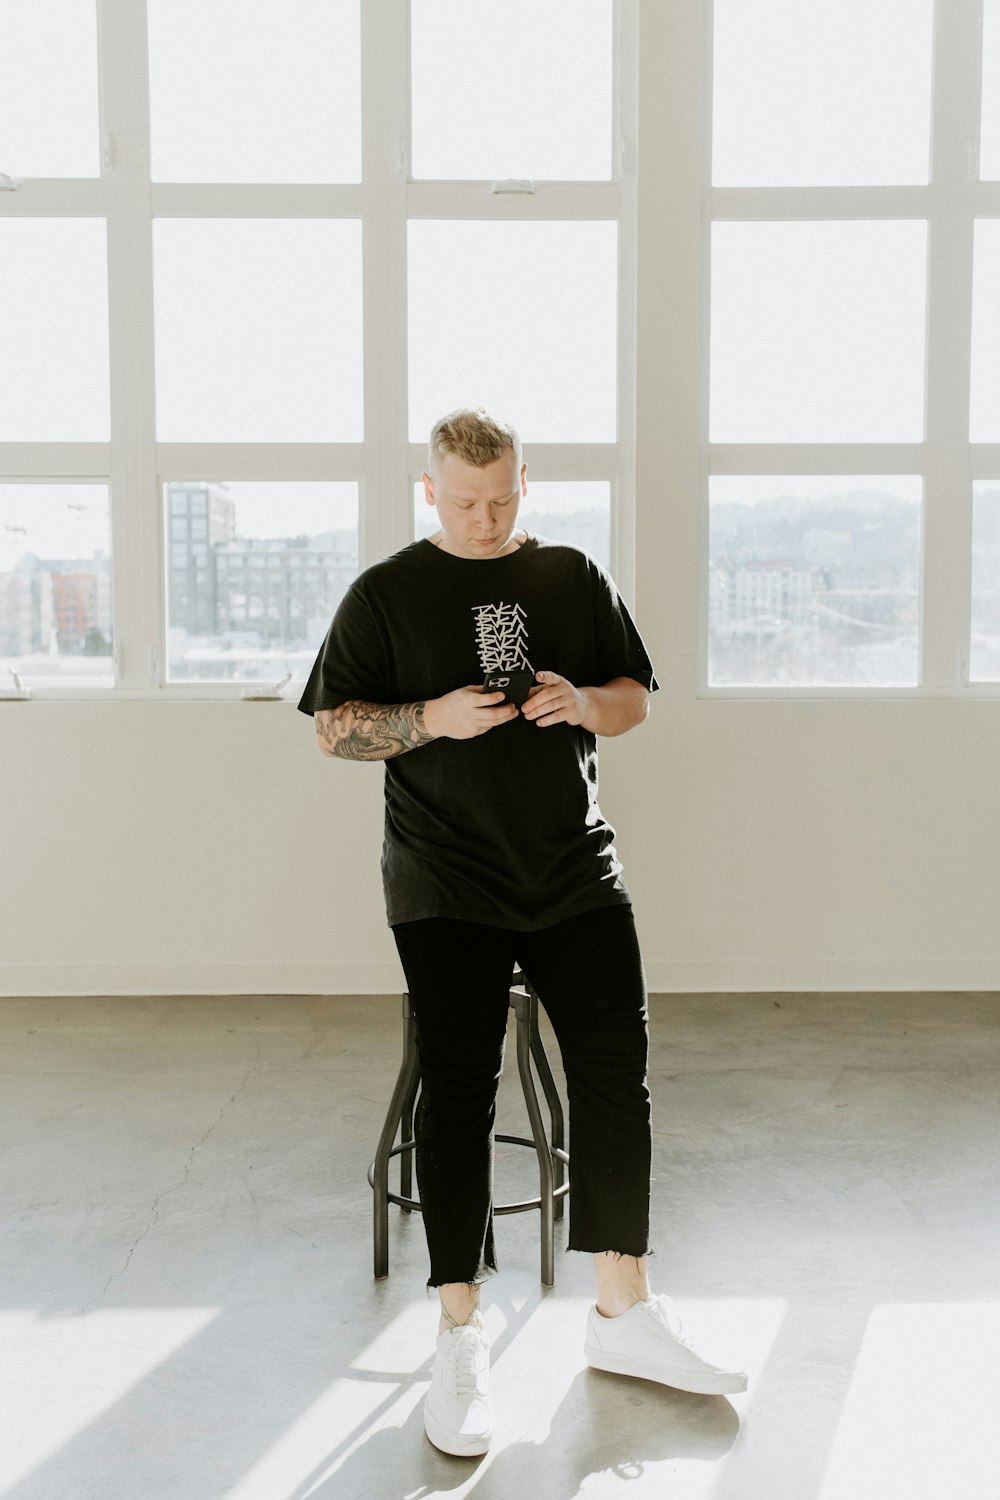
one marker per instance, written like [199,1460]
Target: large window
[257,250]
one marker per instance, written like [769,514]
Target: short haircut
[474,436]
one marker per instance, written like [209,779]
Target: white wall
[165,848]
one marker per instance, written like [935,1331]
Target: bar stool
[553,1160]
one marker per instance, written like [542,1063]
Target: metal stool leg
[557,1136]
[524,1009]
[406,1122]
[404,1089]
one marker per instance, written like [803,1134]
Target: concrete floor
[188,1311]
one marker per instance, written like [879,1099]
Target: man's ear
[428,487]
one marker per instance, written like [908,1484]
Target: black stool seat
[553,1161]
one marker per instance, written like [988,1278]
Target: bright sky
[821,91]
[52,520]
[289,509]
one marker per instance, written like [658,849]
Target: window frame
[659,467]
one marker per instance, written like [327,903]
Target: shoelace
[467,1367]
[671,1322]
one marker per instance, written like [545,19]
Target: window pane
[242,91]
[984,656]
[989,157]
[574,511]
[55,585]
[818,332]
[521,89]
[984,413]
[258,330]
[518,317]
[48,88]
[54,383]
[256,602]
[836,91]
[814,580]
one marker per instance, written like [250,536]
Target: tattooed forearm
[371,731]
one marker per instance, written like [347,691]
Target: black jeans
[588,974]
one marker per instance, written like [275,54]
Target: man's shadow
[604,1424]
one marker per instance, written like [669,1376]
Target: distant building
[760,591]
[56,605]
[269,591]
[199,517]
[276,587]
[25,610]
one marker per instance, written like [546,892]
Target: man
[481,665]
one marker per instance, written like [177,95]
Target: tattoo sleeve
[371,731]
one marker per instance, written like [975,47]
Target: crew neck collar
[528,545]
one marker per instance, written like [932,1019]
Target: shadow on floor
[604,1425]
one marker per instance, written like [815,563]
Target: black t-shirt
[503,828]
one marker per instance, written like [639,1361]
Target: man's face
[477,508]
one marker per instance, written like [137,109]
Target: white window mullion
[625,118]
[672,336]
[55,197]
[816,458]
[865,201]
[488,200]
[136,547]
[256,200]
[385,104]
[224,462]
[55,460]
[986,460]
[948,481]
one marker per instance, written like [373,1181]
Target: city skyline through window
[255,572]
[56,615]
[814,580]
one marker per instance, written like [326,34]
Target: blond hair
[474,436]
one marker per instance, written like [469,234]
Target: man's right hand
[467,712]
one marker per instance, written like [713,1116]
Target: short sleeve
[352,661]
[620,648]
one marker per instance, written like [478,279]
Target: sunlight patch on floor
[59,1374]
[920,1418]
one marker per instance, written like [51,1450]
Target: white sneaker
[458,1412]
[648,1341]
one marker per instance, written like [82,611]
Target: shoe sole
[451,1442]
[726,1383]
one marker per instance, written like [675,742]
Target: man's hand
[466,713]
[554,700]
[614,708]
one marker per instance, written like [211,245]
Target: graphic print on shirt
[502,644]
[501,638]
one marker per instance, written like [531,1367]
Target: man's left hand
[554,700]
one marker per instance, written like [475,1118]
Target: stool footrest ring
[414,1204]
